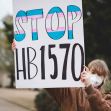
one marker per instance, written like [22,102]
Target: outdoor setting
[55,55]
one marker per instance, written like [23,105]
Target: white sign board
[49,43]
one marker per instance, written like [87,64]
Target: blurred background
[97,31]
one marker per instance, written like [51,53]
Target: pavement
[7,106]
[20,97]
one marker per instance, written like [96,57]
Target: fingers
[86,68]
[84,73]
[13,43]
[83,78]
[13,46]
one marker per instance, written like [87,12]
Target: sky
[5,8]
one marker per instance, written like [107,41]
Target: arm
[69,99]
[59,94]
[97,102]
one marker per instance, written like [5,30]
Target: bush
[107,86]
[44,102]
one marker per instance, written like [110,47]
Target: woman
[89,98]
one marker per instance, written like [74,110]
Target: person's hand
[85,77]
[13,46]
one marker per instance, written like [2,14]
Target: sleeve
[60,94]
[96,101]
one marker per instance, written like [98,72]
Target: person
[89,98]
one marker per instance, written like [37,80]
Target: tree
[97,16]
[8,31]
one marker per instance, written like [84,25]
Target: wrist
[87,83]
[90,90]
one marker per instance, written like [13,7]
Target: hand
[13,46]
[85,76]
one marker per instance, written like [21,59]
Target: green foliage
[8,30]
[6,54]
[44,102]
[107,87]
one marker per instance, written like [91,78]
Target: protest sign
[49,43]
